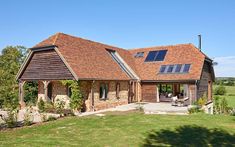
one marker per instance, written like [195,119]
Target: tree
[10,61]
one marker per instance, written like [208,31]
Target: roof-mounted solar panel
[156,56]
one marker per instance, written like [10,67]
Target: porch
[164,92]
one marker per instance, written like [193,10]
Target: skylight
[139,54]
[156,56]
[175,68]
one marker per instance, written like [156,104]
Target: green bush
[41,105]
[28,117]
[76,99]
[194,109]
[11,119]
[49,107]
[221,106]
[220,90]
[216,106]
[59,106]
[224,106]
[31,93]
[202,101]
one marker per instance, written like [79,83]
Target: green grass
[126,129]
[230,95]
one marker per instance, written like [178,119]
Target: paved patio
[149,108]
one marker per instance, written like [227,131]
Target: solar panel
[186,68]
[156,56]
[151,56]
[178,67]
[175,68]
[161,55]
[170,68]
[163,68]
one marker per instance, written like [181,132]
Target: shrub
[11,119]
[224,106]
[59,106]
[202,101]
[49,107]
[76,99]
[220,90]
[194,109]
[28,117]
[216,101]
[43,117]
[41,106]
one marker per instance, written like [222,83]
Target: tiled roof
[90,60]
[176,54]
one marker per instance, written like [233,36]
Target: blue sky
[126,24]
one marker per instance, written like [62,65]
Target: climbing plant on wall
[76,99]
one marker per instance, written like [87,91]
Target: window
[120,62]
[163,68]
[69,91]
[186,68]
[139,54]
[178,67]
[104,91]
[170,68]
[156,56]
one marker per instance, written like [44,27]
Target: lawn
[230,95]
[126,129]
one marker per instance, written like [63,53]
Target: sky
[126,23]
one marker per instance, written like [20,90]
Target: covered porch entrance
[164,92]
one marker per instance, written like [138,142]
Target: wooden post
[157,89]
[92,96]
[45,84]
[21,94]
[139,92]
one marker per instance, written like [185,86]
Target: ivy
[76,99]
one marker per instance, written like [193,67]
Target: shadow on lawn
[190,135]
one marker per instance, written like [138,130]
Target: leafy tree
[31,92]
[220,90]
[10,61]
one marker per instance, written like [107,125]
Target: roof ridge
[160,46]
[93,41]
[56,37]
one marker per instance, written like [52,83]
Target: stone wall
[59,91]
[111,100]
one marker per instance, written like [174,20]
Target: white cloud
[225,67]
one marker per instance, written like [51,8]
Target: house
[111,76]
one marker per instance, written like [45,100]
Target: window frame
[106,95]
